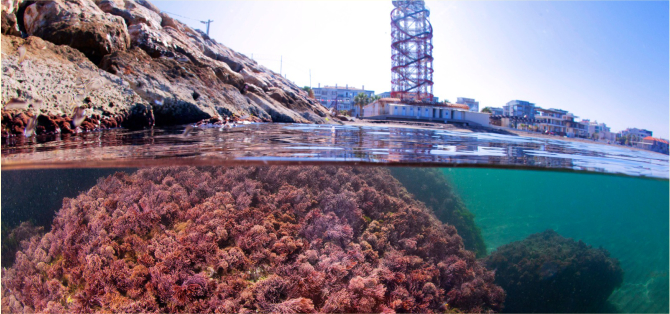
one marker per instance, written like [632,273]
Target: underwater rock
[13,240]
[547,273]
[266,239]
[431,187]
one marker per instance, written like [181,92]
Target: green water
[626,216]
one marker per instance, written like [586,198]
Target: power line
[175,14]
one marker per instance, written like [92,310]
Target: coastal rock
[246,240]
[56,76]
[132,12]
[183,74]
[79,24]
[10,25]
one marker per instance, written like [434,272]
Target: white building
[472,104]
[599,131]
[341,97]
[393,109]
[640,133]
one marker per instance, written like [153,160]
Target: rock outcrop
[53,75]
[154,66]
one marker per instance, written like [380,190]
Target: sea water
[521,201]
[627,216]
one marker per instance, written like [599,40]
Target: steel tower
[412,57]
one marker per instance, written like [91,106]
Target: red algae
[257,239]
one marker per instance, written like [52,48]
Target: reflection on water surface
[282,143]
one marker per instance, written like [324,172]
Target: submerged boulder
[547,273]
[248,239]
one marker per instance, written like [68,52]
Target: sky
[607,61]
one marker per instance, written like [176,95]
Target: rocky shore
[151,69]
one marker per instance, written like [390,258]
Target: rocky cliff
[149,68]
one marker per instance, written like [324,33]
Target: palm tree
[361,100]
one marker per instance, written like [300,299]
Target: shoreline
[475,129]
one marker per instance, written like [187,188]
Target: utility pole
[208,22]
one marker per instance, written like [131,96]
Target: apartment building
[340,97]
[519,108]
[470,102]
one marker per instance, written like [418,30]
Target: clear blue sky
[604,61]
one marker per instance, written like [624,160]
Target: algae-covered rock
[547,273]
[430,186]
[241,240]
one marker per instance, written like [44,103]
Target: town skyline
[606,62]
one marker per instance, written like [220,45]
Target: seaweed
[248,239]
[430,186]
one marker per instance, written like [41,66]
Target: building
[640,133]
[658,145]
[551,120]
[495,111]
[340,97]
[599,131]
[395,109]
[519,108]
[574,128]
[472,104]
[385,95]
[388,95]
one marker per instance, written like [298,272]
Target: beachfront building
[598,131]
[340,97]
[519,108]
[551,120]
[640,133]
[658,145]
[496,111]
[574,128]
[394,109]
[471,103]
[388,95]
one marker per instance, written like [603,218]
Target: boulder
[132,12]
[155,42]
[9,23]
[79,24]
[55,75]
[251,78]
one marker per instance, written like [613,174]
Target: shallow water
[288,143]
[610,197]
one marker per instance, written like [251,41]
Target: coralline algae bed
[271,239]
[289,240]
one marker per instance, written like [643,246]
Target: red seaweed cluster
[547,273]
[266,239]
